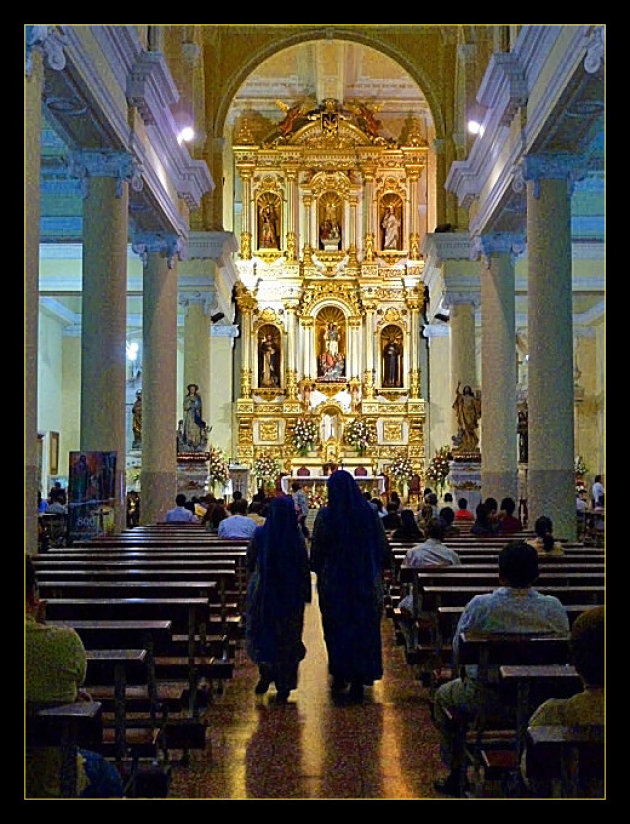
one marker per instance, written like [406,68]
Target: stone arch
[293,38]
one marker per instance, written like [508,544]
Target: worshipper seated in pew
[55,670]
[583,710]
[544,543]
[514,607]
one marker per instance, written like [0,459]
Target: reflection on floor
[317,746]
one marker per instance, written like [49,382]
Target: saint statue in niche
[268,227]
[269,360]
[391,229]
[329,229]
[391,364]
[332,362]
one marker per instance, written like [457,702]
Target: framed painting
[53,457]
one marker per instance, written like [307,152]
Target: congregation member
[514,607]
[544,543]
[585,708]
[432,551]
[237,525]
[301,506]
[598,492]
[463,513]
[180,512]
[392,518]
[508,523]
[408,531]
[54,672]
[349,555]
[483,526]
[447,517]
[279,586]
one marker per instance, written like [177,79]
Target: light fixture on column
[442,317]
[217,317]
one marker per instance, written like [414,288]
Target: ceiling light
[186,135]
[474,127]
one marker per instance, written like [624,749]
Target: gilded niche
[269,356]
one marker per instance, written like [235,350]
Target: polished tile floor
[316,746]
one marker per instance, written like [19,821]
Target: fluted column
[414,301]
[369,245]
[413,176]
[308,228]
[499,470]
[290,306]
[551,479]
[158,480]
[33,85]
[354,353]
[104,312]
[369,366]
[307,341]
[197,308]
[246,222]
[352,247]
[246,303]
[292,238]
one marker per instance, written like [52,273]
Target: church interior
[290,248]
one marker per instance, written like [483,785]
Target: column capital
[463,297]
[434,330]
[497,243]
[224,331]
[553,166]
[206,299]
[166,245]
[48,41]
[86,163]
[440,246]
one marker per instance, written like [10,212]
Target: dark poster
[91,493]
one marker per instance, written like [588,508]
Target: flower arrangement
[361,434]
[401,469]
[580,466]
[218,469]
[266,469]
[439,467]
[304,434]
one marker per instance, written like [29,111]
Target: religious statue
[329,230]
[391,364]
[332,361]
[268,232]
[522,436]
[270,373]
[194,428]
[136,421]
[391,227]
[468,409]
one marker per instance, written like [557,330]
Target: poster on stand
[91,494]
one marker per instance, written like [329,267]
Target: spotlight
[217,316]
[440,316]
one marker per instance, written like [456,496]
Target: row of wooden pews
[531,668]
[160,612]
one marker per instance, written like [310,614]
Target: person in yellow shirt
[55,669]
[544,543]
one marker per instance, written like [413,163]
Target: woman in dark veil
[278,587]
[349,552]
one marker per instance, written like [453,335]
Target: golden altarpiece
[330,291]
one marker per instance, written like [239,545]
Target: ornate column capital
[245,300]
[484,246]
[558,166]
[87,163]
[48,41]
[462,297]
[205,299]
[595,50]
[166,245]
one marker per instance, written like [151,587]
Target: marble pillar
[160,409]
[197,308]
[499,473]
[551,479]
[104,320]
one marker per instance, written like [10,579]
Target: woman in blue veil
[278,587]
[349,552]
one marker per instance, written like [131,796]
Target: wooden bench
[570,759]
[67,727]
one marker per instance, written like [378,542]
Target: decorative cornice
[87,163]
[167,245]
[217,246]
[48,41]
[150,86]
[206,299]
[471,297]
[434,330]
[504,86]
[496,243]
[595,50]
[440,246]
[224,331]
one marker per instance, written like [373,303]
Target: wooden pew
[571,759]
[67,726]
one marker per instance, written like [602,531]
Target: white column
[33,84]
[551,479]
[197,308]
[104,312]
[159,385]
[219,414]
[499,470]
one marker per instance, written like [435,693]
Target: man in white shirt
[237,525]
[432,551]
[597,492]
[180,513]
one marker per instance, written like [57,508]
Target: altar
[315,487]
